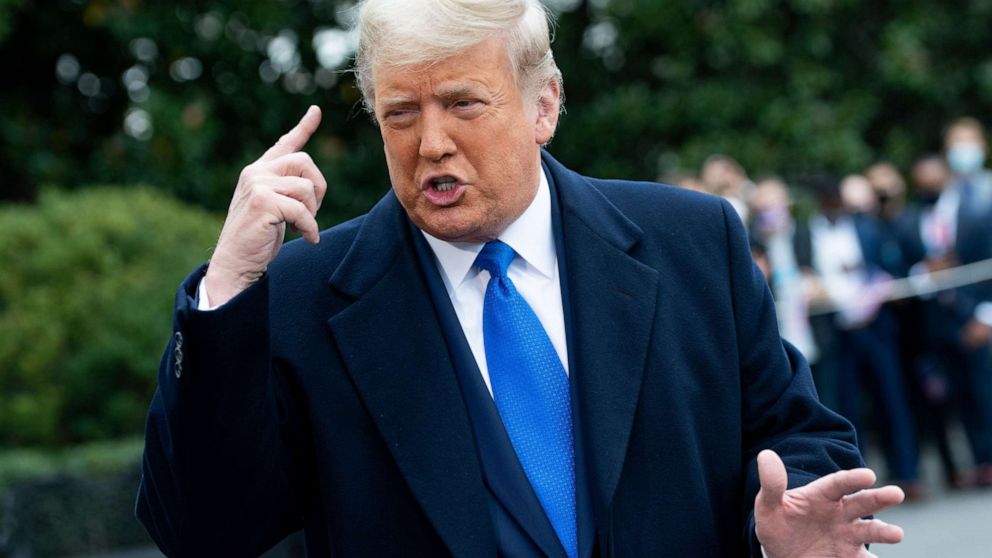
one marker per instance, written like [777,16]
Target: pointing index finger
[294,140]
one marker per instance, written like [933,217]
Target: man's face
[964,134]
[930,177]
[461,141]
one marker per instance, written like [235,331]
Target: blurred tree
[181,95]
[85,297]
[786,86]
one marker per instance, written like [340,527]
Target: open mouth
[443,190]
[444,183]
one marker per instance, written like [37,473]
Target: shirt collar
[530,236]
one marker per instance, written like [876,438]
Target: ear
[548,109]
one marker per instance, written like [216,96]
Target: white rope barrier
[922,284]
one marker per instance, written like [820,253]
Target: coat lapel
[393,347]
[612,299]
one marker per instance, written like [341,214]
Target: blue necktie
[530,388]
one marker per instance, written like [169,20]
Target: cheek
[398,159]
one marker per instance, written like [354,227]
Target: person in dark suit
[951,225]
[846,251]
[502,358]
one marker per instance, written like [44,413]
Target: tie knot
[495,258]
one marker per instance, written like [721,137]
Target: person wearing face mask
[966,149]
[949,225]
[890,190]
[925,240]
[840,250]
[773,226]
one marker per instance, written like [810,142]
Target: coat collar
[392,345]
[611,298]
[417,405]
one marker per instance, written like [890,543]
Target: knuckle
[247,173]
[259,201]
[299,209]
[302,160]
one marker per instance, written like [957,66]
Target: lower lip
[443,199]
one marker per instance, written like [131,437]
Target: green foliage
[786,86]
[190,136]
[85,303]
[653,86]
[91,460]
[70,502]
[7,8]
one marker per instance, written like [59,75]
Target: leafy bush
[93,460]
[86,290]
[72,501]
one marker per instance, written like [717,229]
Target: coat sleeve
[780,408]
[217,477]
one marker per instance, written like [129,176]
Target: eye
[400,117]
[467,108]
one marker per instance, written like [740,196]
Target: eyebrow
[397,100]
[446,92]
[457,90]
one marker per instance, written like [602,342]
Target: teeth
[445,184]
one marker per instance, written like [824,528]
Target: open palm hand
[824,518]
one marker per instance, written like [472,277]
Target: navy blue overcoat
[324,397]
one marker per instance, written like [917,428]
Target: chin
[450,234]
[452,224]
[457,232]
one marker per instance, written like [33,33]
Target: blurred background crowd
[125,124]
[884,282]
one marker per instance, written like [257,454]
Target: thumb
[773,478]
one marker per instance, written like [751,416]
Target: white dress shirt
[534,272]
[837,257]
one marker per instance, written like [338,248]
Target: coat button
[177,355]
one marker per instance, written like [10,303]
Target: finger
[300,189]
[296,214]
[871,501]
[300,164]
[870,531]
[837,485]
[294,140]
[773,478]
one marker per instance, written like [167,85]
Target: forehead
[930,166]
[485,65]
[964,132]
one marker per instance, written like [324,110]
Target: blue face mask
[965,157]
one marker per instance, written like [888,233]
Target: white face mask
[965,157]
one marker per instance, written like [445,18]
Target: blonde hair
[409,32]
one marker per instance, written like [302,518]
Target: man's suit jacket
[324,396]
[972,243]
[879,248]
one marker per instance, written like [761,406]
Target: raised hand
[282,186]
[823,518]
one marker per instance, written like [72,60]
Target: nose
[435,141]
